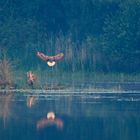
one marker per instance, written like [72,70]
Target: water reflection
[69,116]
[5,106]
[31,100]
[50,120]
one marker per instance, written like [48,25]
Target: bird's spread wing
[42,56]
[50,58]
[58,56]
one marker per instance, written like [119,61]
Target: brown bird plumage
[50,58]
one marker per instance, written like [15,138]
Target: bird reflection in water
[50,120]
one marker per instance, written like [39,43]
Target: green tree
[121,38]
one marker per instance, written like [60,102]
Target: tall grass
[6,71]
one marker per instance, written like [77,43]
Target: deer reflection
[5,106]
[50,120]
[31,100]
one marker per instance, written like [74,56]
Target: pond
[69,116]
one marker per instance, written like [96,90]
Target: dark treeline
[95,35]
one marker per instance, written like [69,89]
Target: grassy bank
[54,76]
[48,77]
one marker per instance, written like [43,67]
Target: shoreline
[68,91]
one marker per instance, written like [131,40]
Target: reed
[5,71]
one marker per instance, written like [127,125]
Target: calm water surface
[78,116]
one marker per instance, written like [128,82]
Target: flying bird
[51,60]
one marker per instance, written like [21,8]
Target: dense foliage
[95,35]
